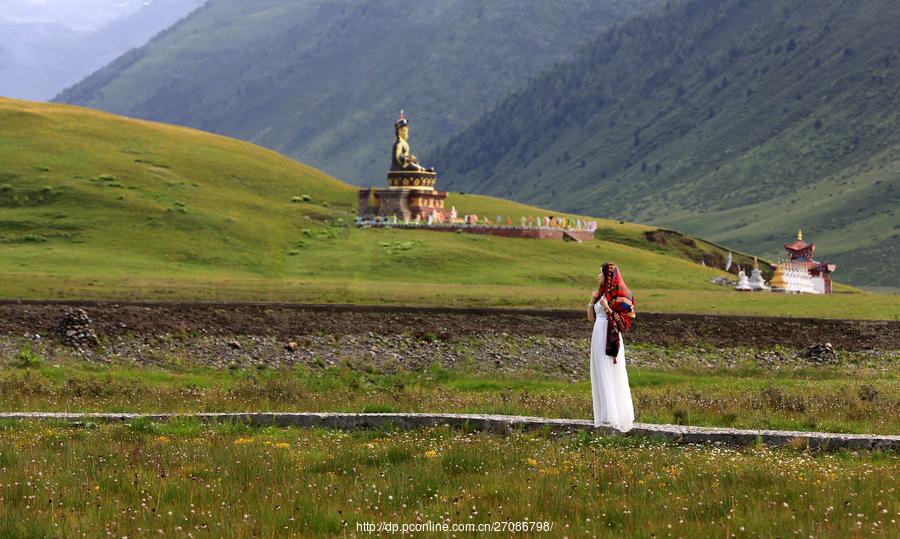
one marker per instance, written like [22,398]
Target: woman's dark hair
[605,270]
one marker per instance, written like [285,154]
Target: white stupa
[757,283]
[743,283]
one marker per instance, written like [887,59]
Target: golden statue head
[401,127]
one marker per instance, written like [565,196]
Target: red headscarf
[620,300]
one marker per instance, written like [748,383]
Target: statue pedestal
[412,179]
[409,203]
[410,194]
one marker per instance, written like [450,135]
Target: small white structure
[757,283]
[743,283]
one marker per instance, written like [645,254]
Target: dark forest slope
[737,120]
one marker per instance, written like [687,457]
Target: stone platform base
[503,231]
[498,424]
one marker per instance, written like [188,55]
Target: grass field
[860,396]
[97,206]
[235,288]
[183,478]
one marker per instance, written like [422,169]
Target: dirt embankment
[287,321]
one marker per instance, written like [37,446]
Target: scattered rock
[395,352]
[76,330]
[769,358]
[819,353]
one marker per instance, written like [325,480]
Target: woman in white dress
[611,309]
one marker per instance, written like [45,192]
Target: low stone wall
[498,424]
[544,233]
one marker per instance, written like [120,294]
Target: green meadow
[859,396]
[97,206]
[184,477]
[188,479]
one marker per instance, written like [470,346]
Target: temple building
[802,274]
[411,192]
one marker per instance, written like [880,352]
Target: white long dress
[609,381]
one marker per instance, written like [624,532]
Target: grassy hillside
[324,80]
[99,206]
[733,120]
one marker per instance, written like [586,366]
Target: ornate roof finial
[755,263]
[799,234]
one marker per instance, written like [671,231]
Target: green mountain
[97,206]
[737,120]
[324,80]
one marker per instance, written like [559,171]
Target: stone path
[497,424]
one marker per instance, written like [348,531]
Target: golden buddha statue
[411,193]
[402,159]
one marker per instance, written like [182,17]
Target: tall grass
[176,479]
[850,399]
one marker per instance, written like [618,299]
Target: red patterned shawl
[621,301]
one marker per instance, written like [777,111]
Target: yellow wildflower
[431,453]
[243,441]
